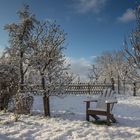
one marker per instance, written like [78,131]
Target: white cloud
[84,6]
[80,67]
[128,16]
[93,57]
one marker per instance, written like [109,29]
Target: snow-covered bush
[23,103]
[8,84]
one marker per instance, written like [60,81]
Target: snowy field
[68,122]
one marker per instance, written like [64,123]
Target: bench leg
[112,118]
[87,107]
[87,117]
[108,114]
[95,117]
[108,120]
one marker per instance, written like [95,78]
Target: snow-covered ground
[68,122]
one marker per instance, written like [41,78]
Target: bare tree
[94,73]
[105,63]
[113,65]
[49,61]
[132,46]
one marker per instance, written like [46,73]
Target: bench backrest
[107,94]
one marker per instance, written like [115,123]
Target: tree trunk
[134,92]
[46,101]
[113,83]
[118,84]
[21,71]
[124,86]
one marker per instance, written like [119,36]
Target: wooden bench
[104,106]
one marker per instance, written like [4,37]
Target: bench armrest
[93,100]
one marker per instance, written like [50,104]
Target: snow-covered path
[68,122]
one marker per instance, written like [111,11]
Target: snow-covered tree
[49,61]
[37,47]
[20,49]
[94,73]
[132,46]
[113,65]
[105,64]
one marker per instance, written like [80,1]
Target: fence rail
[73,88]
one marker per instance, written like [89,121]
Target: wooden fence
[74,88]
[86,88]
[135,86]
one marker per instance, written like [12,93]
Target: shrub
[23,103]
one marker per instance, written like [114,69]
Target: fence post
[89,88]
[124,86]
[118,84]
[113,83]
[134,89]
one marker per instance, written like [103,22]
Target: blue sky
[93,26]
